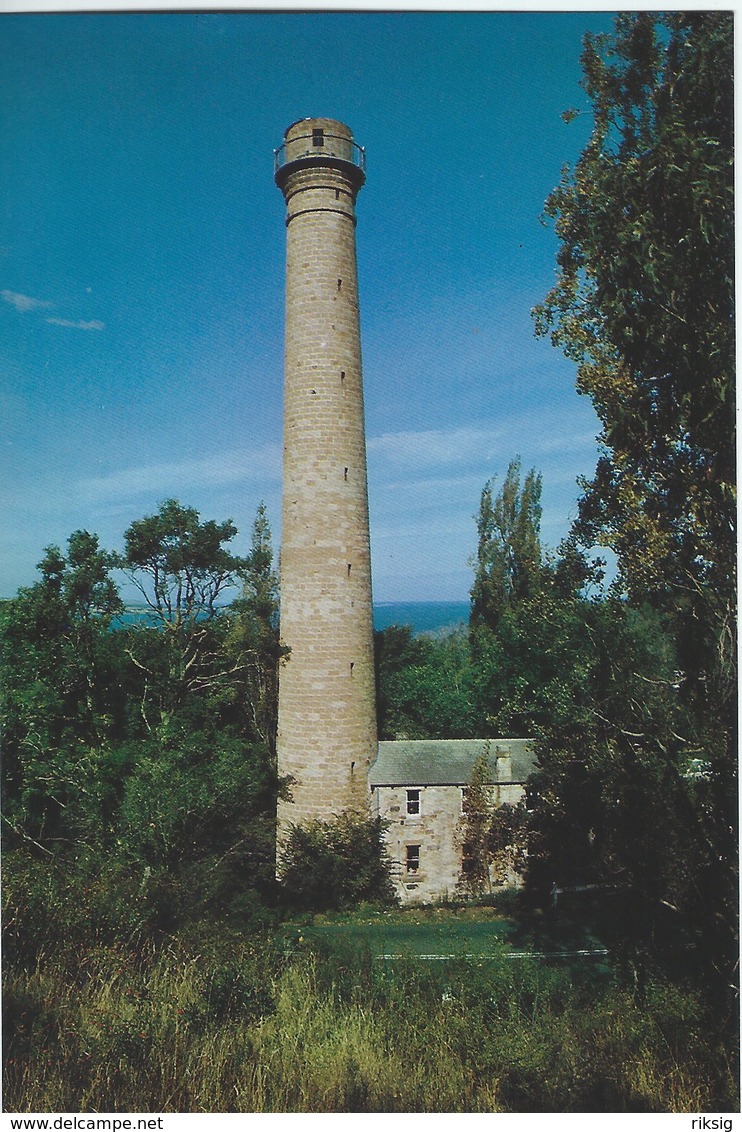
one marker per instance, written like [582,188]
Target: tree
[474,833]
[182,567]
[529,612]
[254,638]
[396,651]
[144,787]
[509,565]
[60,698]
[423,685]
[198,805]
[508,841]
[644,305]
[196,821]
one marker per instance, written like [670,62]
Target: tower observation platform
[317,142]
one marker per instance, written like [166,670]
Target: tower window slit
[340,283]
[345,473]
[349,568]
[318,137]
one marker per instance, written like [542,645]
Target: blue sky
[142,269]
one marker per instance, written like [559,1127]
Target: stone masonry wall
[436,829]
[327,723]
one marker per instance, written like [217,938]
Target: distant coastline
[424,617]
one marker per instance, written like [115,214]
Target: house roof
[449,762]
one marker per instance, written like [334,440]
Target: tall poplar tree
[509,566]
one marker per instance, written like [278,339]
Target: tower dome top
[304,125]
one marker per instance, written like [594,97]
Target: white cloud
[171,479]
[472,445]
[431,448]
[425,487]
[80,324]
[23,303]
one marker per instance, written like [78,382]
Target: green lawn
[393,937]
[446,933]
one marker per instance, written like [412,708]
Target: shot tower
[326,703]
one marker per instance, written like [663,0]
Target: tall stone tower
[326,703]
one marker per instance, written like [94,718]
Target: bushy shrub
[336,864]
[66,903]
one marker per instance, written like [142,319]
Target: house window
[412,862]
[413,803]
[318,137]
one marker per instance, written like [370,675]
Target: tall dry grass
[172,1032]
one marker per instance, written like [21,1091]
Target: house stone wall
[437,830]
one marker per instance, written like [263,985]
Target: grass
[221,1023]
[415,932]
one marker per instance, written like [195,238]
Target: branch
[25,836]
[621,730]
[134,660]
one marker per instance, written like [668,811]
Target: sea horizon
[424,617]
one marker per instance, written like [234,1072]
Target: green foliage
[60,703]
[644,298]
[509,565]
[530,618]
[423,685]
[493,838]
[133,759]
[182,567]
[624,798]
[198,810]
[336,864]
[66,904]
[396,651]
[254,635]
[508,841]
[179,564]
[644,305]
[478,807]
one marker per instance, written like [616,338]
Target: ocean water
[422,616]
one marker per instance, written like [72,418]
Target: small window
[413,802]
[318,137]
[413,859]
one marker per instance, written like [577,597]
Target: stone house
[419,788]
